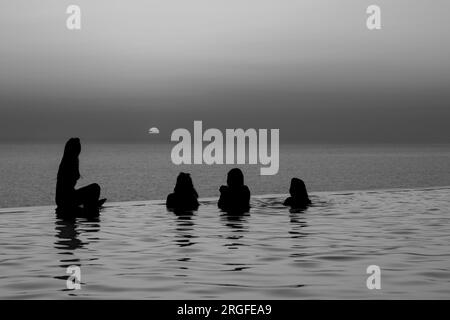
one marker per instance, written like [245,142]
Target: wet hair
[184,184]
[72,148]
[235,178]
[70,163]
[298,189]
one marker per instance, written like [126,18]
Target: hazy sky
[310,68]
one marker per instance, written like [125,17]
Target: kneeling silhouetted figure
[67,197]
[235,196]
[184,196]
[299,196]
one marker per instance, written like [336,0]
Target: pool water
[139,250]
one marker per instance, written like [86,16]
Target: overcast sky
[308,67]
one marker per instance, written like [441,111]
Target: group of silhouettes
[234,197]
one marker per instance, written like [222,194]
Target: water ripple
[139,250]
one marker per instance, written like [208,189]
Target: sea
[383,205]
[134,172]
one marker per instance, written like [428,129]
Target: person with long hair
[184,196]
[235,196]
[299,196]
[67,197]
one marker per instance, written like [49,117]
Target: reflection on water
[238,226]
[68,230]
[184,229]
[139,250]
[67,240]
[298,223]
[238,222]
[67,236]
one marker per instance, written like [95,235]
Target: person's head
[298,188]
[69,162]
[72,148]
[184,182]
[235,178]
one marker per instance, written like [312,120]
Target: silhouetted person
[299,196]
[184,196]
[67,197]
[235,196]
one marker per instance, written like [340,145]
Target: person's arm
[287,202]
[247,194]
[169,200]
[221,203]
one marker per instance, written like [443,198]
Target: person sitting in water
[68,174]
[184,196]
[299,196]
[235,196]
